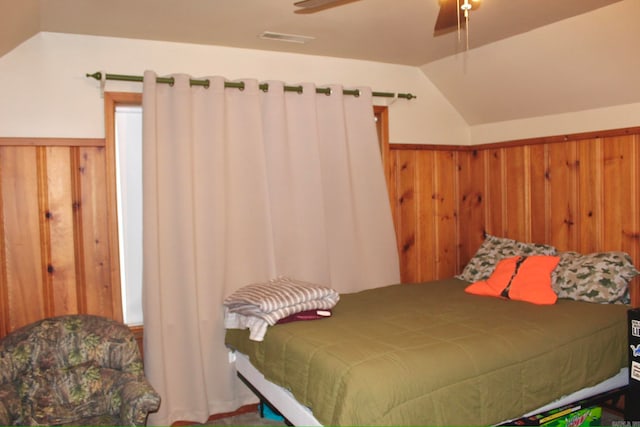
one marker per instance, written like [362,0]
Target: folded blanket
[259,305]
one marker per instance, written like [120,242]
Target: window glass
[128,136]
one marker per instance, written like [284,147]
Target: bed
[433,354]
[522,329]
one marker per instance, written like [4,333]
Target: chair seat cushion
[60,396]
[99,420]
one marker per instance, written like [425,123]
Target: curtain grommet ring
[328,92]
[357,93]
[172,81]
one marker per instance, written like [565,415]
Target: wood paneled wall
[576,192]
[58,244]
[58,226]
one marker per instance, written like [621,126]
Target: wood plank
[494,184]
[407,215]
[4,285]
[92,233]
[392,183]
[23,256]
[538,194]
[51,142]
[444,236]
[58,215]
[635,232]
[589,210]
[471,205]
[425,192]
[562,178]
[516,194]
[620,190]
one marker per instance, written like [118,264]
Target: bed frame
[607,394]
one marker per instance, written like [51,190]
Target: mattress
[431,354]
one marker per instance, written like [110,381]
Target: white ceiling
[510,71]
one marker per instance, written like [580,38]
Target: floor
[253,419]
[248,419]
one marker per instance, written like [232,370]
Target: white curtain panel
[241,186]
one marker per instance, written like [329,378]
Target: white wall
[45,92]
[576,75]
[617,117]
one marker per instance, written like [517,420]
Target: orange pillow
[531,280]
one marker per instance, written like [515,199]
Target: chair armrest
[138,400]
[5,419]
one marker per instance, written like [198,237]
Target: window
[128,148]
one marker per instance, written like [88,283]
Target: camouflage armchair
[76,369]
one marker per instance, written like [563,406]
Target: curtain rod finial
[97,75]
[408,96]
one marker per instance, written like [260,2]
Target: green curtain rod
[240,85]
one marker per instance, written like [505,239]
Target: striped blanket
[260,305]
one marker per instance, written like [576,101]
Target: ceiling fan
[450,16]
[447,17]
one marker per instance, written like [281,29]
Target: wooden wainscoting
[58,230]
[58,226]
[577,192]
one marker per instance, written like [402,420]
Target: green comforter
[430,354]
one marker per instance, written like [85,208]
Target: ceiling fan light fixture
[466,7]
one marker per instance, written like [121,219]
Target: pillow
[492,250]
[521,278]
[601,277]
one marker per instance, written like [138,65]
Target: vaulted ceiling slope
[526,58]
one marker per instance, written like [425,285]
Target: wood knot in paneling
[408,244]
[474,199]
[631,234]
[407,195]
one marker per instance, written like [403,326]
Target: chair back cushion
[61,367]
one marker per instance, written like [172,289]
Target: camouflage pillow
[601,277]
[492,250]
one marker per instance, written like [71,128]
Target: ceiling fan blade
[447,20]
[313,3]
[448,15]
[312,6]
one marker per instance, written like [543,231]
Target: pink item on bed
[306,315]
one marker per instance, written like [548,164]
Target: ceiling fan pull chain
[466,32]
[466,7]
[458,11]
